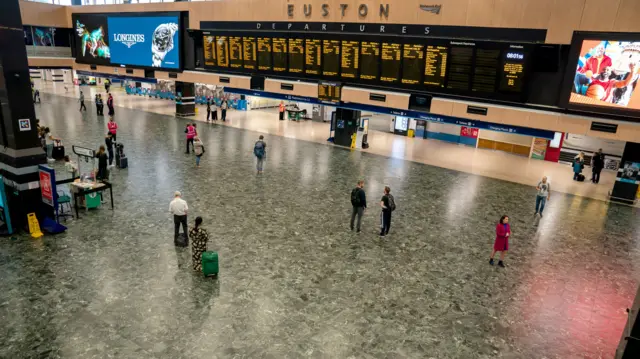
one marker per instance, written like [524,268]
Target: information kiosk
[87,191]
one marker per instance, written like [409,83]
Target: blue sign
[151,41]
[516,130]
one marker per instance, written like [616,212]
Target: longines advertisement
[144,41]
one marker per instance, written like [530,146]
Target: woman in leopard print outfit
[199,238]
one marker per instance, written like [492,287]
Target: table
[79,189]
[295,115]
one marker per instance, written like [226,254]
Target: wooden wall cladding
[559,17]
[305,89]
[108,70]
[392,99]
[208,78]
[51,62]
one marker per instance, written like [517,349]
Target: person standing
[597,166]
[113,128]
[49,140]
[223,109]
[358,203]
[102,174]
[260,151]
[178,208]
[281,109]
[388,205]
[81,100]
[544,194]
[100,105]
[208,109]
[578,165]
[214,110]
[191,133]
[198,149]
[503,231]
[109,143]
[199,238]
[110,105]
[97,106]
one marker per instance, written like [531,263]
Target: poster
[468,132]
[47,185]
[43,36]
[539,148]
[629,173]
[92,45]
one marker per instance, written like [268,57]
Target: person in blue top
[260,151]
[578,165]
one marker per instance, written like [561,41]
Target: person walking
[100,105]
[597,166]
[358,204]
[110,105]
[388,205]
[113,129]
[544,194]
[179,208]
[191,133]
[36,96]
[199,238]
[223,109]
[260,151]
[208,109]
[281,110]
[81,100]
[198,149]
[103,174]
[108,141]
[501,244]
[48,141]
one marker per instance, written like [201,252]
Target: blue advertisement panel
[150,41]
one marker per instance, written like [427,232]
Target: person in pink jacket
[503,231]
[191,134]
[113,128]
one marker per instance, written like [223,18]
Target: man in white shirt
[178,207]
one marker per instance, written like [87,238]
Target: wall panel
[480,12]
[441,107]
[35,13]
[454,12]
[393,99]
[536,14]
[599,15]
[565,18]
[306,89]
[627,19]
[508,13]
[51,61]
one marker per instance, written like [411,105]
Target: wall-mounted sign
[363,10]
[25,124]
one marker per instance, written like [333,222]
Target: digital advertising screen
[145,41]
[43,36]
[606,74]
[92,40]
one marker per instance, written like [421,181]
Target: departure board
[412,63]
[350,59]
[435,67]
[279,46]
[235,52]
[460,64]
[485,71]
[329,92]
[209,44]
[369,60]
[264,54]
[390,60]
[312,56]
[249,54]
[296,56]
[512,71]
[222,51]
[331,57]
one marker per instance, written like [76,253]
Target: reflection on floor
[494,164]
[295,282]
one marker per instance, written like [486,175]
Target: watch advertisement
[147,41]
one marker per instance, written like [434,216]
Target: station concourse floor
[294,281]
[494,164]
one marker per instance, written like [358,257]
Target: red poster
[468,132]
[46,188]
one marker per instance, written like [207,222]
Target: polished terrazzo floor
[295,282]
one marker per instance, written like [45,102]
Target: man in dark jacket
[597,166]
[358,203]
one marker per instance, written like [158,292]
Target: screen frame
[574,54]
[106,15]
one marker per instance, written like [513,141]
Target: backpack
[355,198]
[392,203]
[258,149]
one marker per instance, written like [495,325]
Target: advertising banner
[149,41]
[92,45]
[48,185]
[468,132]
[43,36]
[539,148]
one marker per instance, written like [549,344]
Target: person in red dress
[503,231]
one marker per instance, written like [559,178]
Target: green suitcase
[210,264]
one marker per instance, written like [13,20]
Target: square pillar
[185,99]
[625,188]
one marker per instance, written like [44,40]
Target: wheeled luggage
[58,151]
[210,263]
[182,240]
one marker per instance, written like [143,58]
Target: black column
[185,99]
[20,151]
[626,186]
[346,125]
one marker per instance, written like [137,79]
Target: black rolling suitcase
[121,158]
[58,151]
[580,177]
